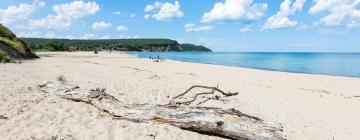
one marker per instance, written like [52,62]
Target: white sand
[311,107]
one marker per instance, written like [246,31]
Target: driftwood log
[226,123]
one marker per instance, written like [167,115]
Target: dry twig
[213,90]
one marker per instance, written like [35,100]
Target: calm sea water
[339,64]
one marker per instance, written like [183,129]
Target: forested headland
[153,45]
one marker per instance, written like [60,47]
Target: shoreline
[327,64]
[309,106]
[249,68]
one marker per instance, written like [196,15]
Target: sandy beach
[310,107]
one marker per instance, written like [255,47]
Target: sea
[336,64]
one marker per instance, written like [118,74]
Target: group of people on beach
[156,59]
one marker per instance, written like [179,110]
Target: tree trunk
[226,123]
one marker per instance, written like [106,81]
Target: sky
[221,25]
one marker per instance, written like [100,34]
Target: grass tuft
[61,78]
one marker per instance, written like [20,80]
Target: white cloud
[101,25]
[128,37]
[149,8]
[281,18]
[353,24]
[121,28]
[65,14]
[76,9]
[34,34]
[246,29]
[235,10]
[50,22]
[88,36]
[323,5]
[50,35]
[132,15]
[213,42]
[106,37]
[190,27]
[331,31]
[340,12]
[302,27]
[163,11]
[69,37]
[136,36]
[122,36]
[117,13]
[147,16]
[37,34]
[20,12]
[327,31]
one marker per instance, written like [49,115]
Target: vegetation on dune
[11,46]
[4,58]
[158,45]
[6,33]
[8,38]
[15,44]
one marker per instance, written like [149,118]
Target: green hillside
[12,47]
[194,48]
[158,45]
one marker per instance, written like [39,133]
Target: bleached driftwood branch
[226,123]
[213,89]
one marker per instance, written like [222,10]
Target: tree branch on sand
[173,101]
[226,123]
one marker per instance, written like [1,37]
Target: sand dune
[313,107]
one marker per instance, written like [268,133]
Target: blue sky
[222,25]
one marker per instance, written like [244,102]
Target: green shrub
[61,78]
